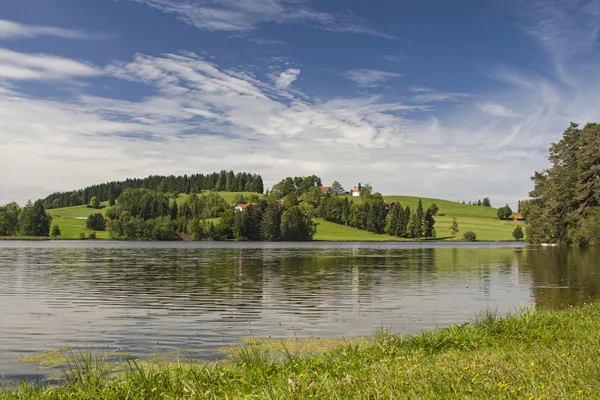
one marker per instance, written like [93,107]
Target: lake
[148,297]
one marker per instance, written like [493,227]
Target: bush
[82,235]
[55,231]
[92,235]
[96,222]
[518,233]
[470,236]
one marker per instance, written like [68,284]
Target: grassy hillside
[449,208]
[481,220]
[71,220]
[330,231]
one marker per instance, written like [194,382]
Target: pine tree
[174,210]
[419,220]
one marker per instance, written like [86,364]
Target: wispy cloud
[370,77]
[23,66]
[567,30]
[248,15]
[427,95]
[286,78]
[497,110]
[11,30]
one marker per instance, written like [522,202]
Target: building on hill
[389,205]
[518,218]
[240,207]
[333,189]
[355,192]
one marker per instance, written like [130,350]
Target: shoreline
[536,353]
[46,238]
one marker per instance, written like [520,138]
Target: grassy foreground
[534,355]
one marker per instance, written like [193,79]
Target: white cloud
[11,29]
[247,15]
[202,117]
[369,77]
[23,66]
[286,78]
[497,110]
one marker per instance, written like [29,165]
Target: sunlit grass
[535,354]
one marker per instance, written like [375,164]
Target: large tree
[9,219]
[34,221]
[566,196]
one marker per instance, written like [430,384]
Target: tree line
[110,191]
[141,214]
[481,203]
[31,220]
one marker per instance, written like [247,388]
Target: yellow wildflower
[154,389]
[532,363]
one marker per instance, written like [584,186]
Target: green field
[334,232]
[71,220]
[481,220]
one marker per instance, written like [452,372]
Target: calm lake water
[151,297]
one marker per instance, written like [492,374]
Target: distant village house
[518,218]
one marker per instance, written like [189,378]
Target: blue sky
[457,100]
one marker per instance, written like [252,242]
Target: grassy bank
[537,354]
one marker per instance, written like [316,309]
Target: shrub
[96,222]
[92,235]
[82,235]
[518,233]
[55,231]
[470,236]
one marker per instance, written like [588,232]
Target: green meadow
[71,221]
[481,220]
[533,354]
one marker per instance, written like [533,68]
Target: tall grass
[532,354]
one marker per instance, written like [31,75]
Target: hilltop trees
[196,183]
[565,205]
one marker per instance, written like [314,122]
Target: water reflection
[203,297]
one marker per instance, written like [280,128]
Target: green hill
[481,220]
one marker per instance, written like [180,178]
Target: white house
[240,207]
[355,192]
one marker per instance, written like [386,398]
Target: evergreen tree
[174,210]
[34,221]
[428,223]
[271,222]
[414,226]
[394,220]
[404,232]
[418,226]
